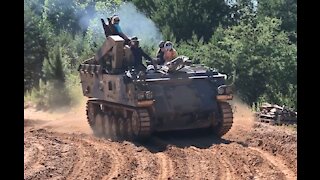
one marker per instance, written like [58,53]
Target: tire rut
[194,163]
[87,166]
[31,154]
[245,163]
[201,164]
[73,159]
[226,169]
[117,161]
[54,157]
[166,166]
[81,156]
[178,157]
[148,166]
[278,163]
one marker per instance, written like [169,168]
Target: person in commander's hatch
[160,53]
[170,53]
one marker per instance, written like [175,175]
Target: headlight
[225,89]
[149,95]
[143,95]
[220,90]
[140,96]
[228,90]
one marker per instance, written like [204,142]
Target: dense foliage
[254,42]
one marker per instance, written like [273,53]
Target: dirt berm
[60,145]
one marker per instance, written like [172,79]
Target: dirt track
[61,146]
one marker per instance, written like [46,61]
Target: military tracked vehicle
[128,104]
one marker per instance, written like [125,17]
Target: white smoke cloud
[132,23]
[84,21]
[135,23]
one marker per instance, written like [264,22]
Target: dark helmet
[134,38]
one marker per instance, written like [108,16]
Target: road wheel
[107,126]
[99,125]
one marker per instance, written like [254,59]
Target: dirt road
[60,145]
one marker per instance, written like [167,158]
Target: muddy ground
[60,145]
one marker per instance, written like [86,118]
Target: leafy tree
[238,8]
[286,10]
[185,17]
[36,6]
[34,49]
[55,69]
[261,58]
[62,14]
[194,48]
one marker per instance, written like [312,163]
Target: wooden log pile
[276,115]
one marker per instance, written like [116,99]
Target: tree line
[254,42]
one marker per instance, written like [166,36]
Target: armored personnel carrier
[126,104]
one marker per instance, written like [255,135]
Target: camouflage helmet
[168,45]
[115,19]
